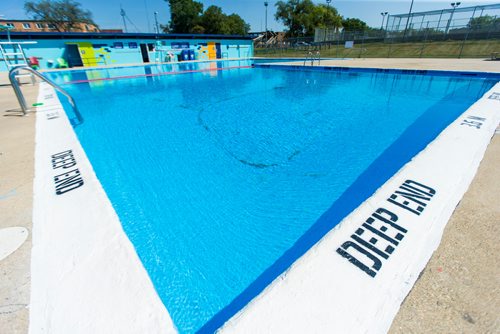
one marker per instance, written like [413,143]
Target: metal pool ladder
[312,57]
[19,94]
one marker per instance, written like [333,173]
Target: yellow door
[87,53]
[212,52]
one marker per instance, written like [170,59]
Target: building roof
[25,20]
[38,21]
[103,35]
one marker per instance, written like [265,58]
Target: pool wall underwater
[87,277]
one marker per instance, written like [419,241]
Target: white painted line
[11,238]
[86,275]
[355,279]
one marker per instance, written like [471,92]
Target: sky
[106,13]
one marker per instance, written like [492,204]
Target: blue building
[52,50]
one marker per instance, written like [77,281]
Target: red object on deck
[34,61]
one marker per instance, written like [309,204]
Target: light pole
[454,5]
[328,5]
[265,5]
[408,20]
[383,18]
[156,23]
[122,13]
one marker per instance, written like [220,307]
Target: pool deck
[478,65]
[457,292]
[17,146]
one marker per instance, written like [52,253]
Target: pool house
[53,50]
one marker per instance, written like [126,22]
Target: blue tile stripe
[469,74]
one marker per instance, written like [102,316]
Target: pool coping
[342,69]
[87,170]
[86,275]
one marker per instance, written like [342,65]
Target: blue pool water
[222,178]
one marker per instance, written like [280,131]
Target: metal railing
[312,56]
[20,96]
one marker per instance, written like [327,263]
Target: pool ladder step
[312,56]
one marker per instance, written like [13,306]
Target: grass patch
[428,49]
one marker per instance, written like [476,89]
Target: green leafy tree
[486,22]
[187,16]
[184,15]
[236,25]
[325,16]
[294,14]
[64,15]
[214,21]
[301,17]
[354,25]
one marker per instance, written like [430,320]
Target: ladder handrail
[20,96]
[311,55]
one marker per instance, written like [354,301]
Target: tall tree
[326,17]
[187,16]
[485,22]
[354,25]
[294,14]
[213,21]
[236,25]
[301,17]
[184,15]
[64,15]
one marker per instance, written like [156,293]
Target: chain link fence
[472,32]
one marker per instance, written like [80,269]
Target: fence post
[338,42]
[467,35]
[362,45]
[390,47]
[492,27]
[425,39]
[463,42]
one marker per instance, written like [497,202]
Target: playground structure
[269,39]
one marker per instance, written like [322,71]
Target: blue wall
[123,50]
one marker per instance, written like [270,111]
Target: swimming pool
[218,175]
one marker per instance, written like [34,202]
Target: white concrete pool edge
[350,281]
[86,275]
